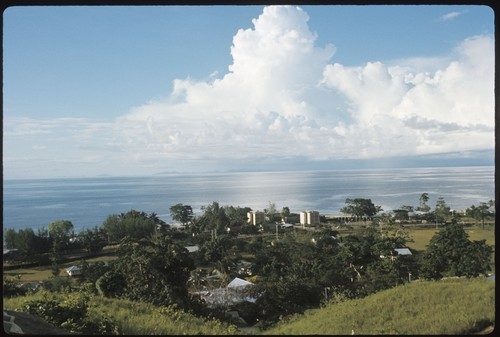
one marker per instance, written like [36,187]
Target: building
[192,249]
[399,252]
[74,271]
[256,218]
[232,294]
[309,218]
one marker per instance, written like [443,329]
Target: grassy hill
[137,318]
[451,306]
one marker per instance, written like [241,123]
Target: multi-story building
[256,218]
[309,217]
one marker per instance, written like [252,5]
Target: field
[42,273]
[421,237]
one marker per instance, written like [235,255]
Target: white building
[74,270]
[233,293]
[256,218]
[309,217]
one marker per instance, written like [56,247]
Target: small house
[233,293]
[403,251]
[399,252]
[74,271]
[192,249]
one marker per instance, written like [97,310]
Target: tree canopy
[360,207]
[182,213]
[451,253]
[133,223]
[153,271]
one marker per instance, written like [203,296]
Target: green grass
[136,318]
[452,306]
[421,237]
[43,273]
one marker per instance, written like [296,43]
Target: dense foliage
[72,313]
[451,253]
[154,271]
[360,207]
[134,224]
[182,213]
[293,270]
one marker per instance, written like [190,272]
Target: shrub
[11,288]
[71,314]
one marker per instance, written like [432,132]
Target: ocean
[87,202]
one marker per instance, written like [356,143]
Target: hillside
[132,318]
[452,306]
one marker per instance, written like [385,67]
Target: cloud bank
[285,97]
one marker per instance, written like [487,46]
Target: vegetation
[293,270]
[360,207]
[138,225]
[446,307]
[182,213]
[450,252]
[154,271]
[122,316]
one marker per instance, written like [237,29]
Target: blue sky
[140,90]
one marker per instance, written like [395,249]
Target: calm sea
[86,202]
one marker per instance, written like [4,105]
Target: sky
[123,91]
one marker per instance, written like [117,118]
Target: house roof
[403,251]
[192,249]
[238,282]
[73,268]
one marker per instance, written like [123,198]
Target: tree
[451,253]
[271,211]
[135,224]
[94,240]
[153,271]
[182,213]
[285,212]
[25,241]
[237,216]
[214,217]
[360,207]
[424,197]
[481,212]
[60,230]
[9,236]
[442,210]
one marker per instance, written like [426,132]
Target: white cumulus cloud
[282,96]
[450,16]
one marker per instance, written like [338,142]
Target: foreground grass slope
[451,306]
[137,318]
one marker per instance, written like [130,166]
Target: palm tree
[423,203]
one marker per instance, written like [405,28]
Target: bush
[71,314]
[11,288]
[57,284]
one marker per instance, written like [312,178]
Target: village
[245,267]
